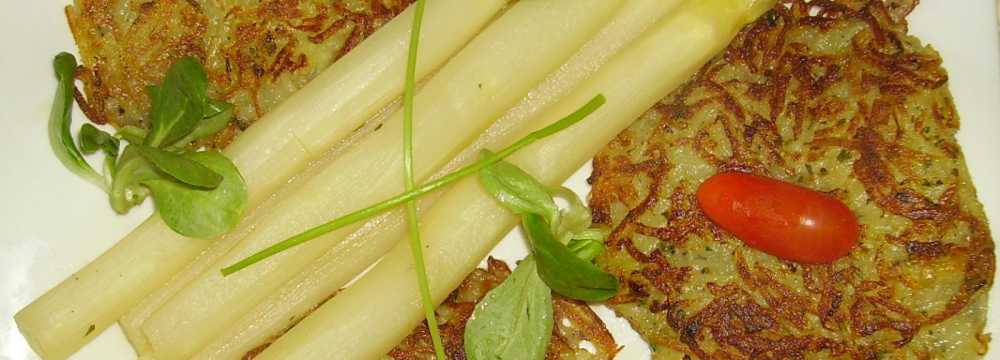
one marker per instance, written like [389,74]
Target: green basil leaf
[573,219]
[514,320]
[218,114]
[586,249]
[183,169]
[179,103]
[217,117]
[565,272]
[201,213]
[187,75]
[127,190]
[182,111]
[173,115]
[60,119]
[132,134]
[93,139]
[517,190]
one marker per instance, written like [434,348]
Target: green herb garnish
[416,246]
[185,170]
[514,320]
[132,134]
[419,191]
[217,117]
[588,248]
[93,140]
[567,270]
[60,119]
[843,156]
[198,212]
[517,190]
[564,271]
[511,319]
[197,193]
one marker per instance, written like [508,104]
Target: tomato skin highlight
[782,219]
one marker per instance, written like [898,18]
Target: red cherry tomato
[778,218]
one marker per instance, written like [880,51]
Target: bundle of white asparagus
[534,62]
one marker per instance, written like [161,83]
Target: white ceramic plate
[52,223]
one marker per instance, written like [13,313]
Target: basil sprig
[179,167]
[510,323]
[550,229]
[563,270]
[517,190]
[93,140]
[198,212]
[197,193]
[514,320]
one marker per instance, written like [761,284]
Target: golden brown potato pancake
[256,53]
[833,96]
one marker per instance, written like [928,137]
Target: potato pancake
[256,53]
[835,96]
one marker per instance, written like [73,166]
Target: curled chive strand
[416,246]
[419,191]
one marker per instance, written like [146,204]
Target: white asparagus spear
[371,316]
[340,264]
[273,150]
[131,322]
[485,78]
[293,301]
[352,90]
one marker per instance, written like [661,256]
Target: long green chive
[416,193]
[416,245]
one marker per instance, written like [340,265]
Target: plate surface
[53,223]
